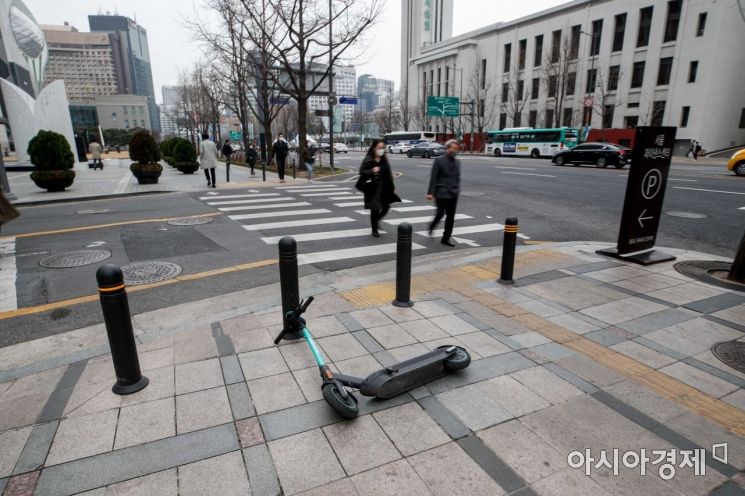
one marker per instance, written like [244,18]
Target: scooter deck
[404,376]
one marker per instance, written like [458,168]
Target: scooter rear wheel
[458,360]
[346,408]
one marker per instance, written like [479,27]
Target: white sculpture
[49,112]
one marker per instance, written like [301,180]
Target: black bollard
[288,281]
[115,307]
[737,272]
[227,171]
[403,267]
[508,251]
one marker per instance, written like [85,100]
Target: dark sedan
[426,149]
[600,154]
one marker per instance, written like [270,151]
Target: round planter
[54,184]
[187,167]
[147,177]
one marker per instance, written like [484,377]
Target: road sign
[589,101]
[235,135]
[443,106]
[347,100]
[645,191]
[279,100]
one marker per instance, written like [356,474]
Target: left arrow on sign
[641,218]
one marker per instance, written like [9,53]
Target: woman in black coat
[376,182]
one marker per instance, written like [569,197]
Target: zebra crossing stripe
[296,223]
[360,252]
[350,194]
[261,207]
[307,186]
[418,208]
[319,236]
[348,197]
[350,204]
[251,195]
[286,213]
[337,190]
[496,227]
[258,200]
[421,220]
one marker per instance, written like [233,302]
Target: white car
[401,147]
[341,148]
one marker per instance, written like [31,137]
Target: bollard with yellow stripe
[115,308]
[508,251]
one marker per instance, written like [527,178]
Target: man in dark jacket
[444,187]
[280,151]
[252,157]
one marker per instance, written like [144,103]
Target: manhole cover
[148,272]
[88,212]
[687,215]
[74,259]
[472,193]
[191,221]
[731,353]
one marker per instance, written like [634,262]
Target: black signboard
[645,191]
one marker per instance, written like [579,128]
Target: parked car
[400,147]
[736,163]
[341,148]
[600,154]
[426,149]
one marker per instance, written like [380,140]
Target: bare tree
[517,96]
[405,113]
[480,91]
[286,120]
[560,79]
[606,100]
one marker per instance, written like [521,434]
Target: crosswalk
[330,224]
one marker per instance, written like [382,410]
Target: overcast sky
[171,46]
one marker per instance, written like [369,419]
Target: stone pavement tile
[706,433]
[610,336]
[475,409]
[617,273]
[575,293]
[669,341]
[309,381]
[360,444]
[410,351]
[222,475]
[163,483]
[328,303]
[349,322]
[529,339]
[196,376]
[736,399]
[202,409]
[487,345]
[341,487]
[447,295]
[22,485]
[453,325]
[438,466]
[156,359]
[268,318]
[424,330]
[36,448]
[509,293]
[249,432]
[610,426]
[11,447]
[327,326]
[703,332]
[240,401]
[410,428]
[398,314]
[592,267]
[298,356]
[544,308]
[631,483]
[480,370]
[192,334]
[96,377]
[166,341]
[523,451]
[547,385]
[557,428]
[304,461]
[714,304]
[685,293]
[658,320]
[261,473]
[240,324]
[358,367]
[551,352]
[139,424]
[642,354]
[255,339]
[193,350]
[262,363]
[623,310]
[473,321]
[590,371]
[161,385]
[231,369]
[735,314]
[391,336]
[78,437]
[275,393]
[393,479]
[342,347]
[568,481]
[371,317]
[571,378]
[513,396]
[367,341]
[650,282]
[576,322]
[430,309]
[707,357]
[699,379]
[478,310]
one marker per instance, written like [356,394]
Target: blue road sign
[347,100]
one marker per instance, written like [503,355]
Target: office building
[599,63]
[123,111]
[345,84]
[372,92]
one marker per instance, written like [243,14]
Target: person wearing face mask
[444,187]
[281,150]
[376,182]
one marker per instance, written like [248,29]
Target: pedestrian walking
[280,151]
[309,158]
[252,157]
[7,211]
[376,182]
[95,150]
[227,150]
[208,159]
[444,187]
[696,150]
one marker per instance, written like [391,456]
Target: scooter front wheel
[459,360]
[346,408]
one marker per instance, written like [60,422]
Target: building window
[538,54]
[482,108]
[597,33]
[520,90]
[507,57]
[552,86]
[631,121]
[424,85]
[637,75]
[693,71]
[742,119]
[658,113]
[684,115]
[126,112]
[645,25]
[592,80]
[701,26]
[608,111]
[533,118]
[502,121]
[673,20]
[431,81]
[567,119]
[666,69]
[555,46]
[447,80]
[126,123]
[483,74]
[517,120]
[613,75]
[619,32]
[571,83]
[439,80]
[535,89]
[574,42]
[522,54]
[633,105]
[505,92]
[550,118]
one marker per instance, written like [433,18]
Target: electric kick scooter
[384,383]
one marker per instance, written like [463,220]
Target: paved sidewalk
[582,354]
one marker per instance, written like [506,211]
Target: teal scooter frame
[384,383]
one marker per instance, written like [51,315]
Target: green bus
[530,142]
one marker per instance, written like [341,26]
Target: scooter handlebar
[305,305]
[296,313]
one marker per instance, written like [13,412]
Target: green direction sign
[235,135]
[443,106]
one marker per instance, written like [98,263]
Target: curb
[89,198]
